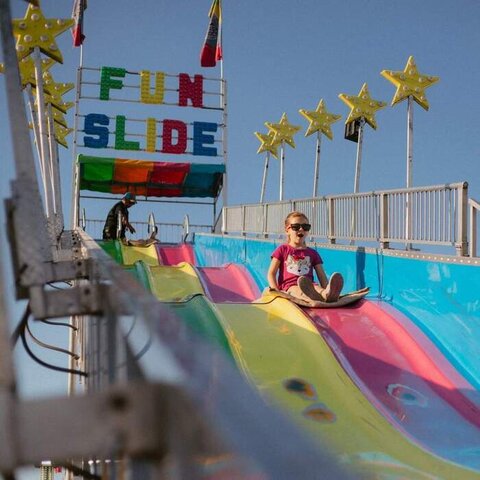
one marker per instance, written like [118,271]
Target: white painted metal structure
[439,217]
[87,87]
[144,404]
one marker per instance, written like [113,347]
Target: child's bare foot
[307,288]
[334,287]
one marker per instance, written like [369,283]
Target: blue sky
[280,56]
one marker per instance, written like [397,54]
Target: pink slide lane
[229,283]
[405,377]
[175,254]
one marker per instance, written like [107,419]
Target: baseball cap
[130,197]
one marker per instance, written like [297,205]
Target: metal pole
[25,169]
[33,114]
[75,206]
[358,163]
[264,180]
[52,152]
[409,140]
[225,139]
[356,185]
[44,156]
[282,165]
[60,221]
[223,105]
[317,164]
[408,209]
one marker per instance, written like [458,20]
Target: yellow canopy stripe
[362,106]
[320,120]
[410,83]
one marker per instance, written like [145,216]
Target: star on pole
[320,120]
[410,83]
[56,100]
[56,90]
[60,132]
[27,69]
[267,144]
[283,131]
[362,106]
[58,117]
[34,30]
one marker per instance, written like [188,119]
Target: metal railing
[167,232]
[432,215]
[474,208]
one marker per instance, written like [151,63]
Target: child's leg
[295,291]
[306,286]
[315,292]
[334,287]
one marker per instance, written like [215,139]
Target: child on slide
[294,263]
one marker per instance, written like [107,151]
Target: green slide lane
[113,248]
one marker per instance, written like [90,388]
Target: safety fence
[432,215]
[474,208]
[167,232]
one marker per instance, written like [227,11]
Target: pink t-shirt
[295,262]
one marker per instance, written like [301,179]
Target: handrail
[186,228]
[474,208]
[167,232]
[438,217]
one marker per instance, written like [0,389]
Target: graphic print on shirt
[298,265]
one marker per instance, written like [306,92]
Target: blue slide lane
[439,297]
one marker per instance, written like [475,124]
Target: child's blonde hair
[294,214]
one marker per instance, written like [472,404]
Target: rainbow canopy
[152,179]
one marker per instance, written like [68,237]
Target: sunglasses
[297,226]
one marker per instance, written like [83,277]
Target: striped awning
[152,179]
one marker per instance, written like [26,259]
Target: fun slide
[357,378]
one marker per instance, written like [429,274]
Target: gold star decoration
[362,106]
[410,83]
[34,30]
[58,117]
[60,132]
[320,120]
[56,101]
[267,144]
[283,131]
[53,88]
[27,69]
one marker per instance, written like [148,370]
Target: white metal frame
[149,395]
[439,217]
[474,208]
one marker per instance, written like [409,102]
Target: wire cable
[21,326]
[47,345]
[61,324]
[45,364]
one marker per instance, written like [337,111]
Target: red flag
[212,46]
[77,32]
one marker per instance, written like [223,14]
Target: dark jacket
[110,228]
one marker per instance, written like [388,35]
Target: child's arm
[272,273]
[322,276]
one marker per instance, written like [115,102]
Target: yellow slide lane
[171,284]
[134,254]
[285,357]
